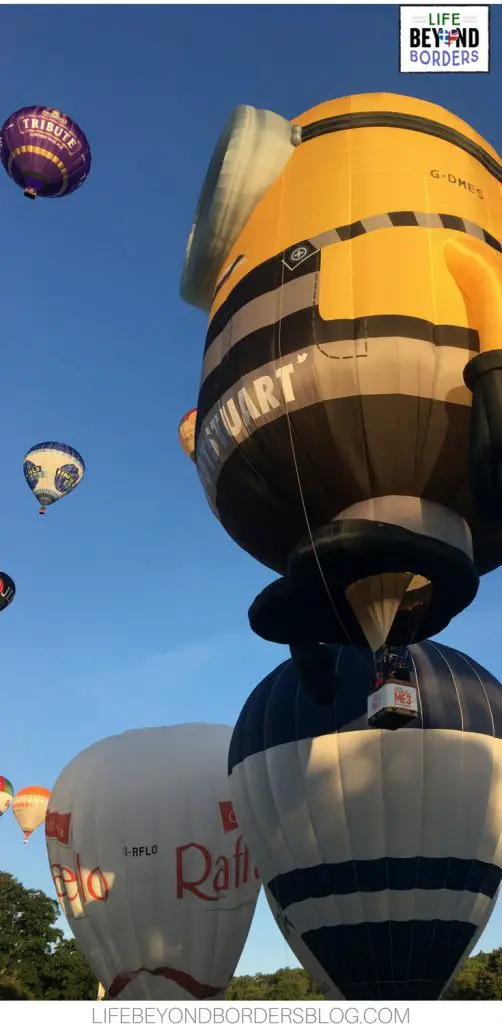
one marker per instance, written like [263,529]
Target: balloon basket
[30,193]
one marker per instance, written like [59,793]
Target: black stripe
[261,279]
[397,873]
[448,220]
[404,218]
[226,275]
[348,231]
[409,122]
[305,328]
[272,273]
[390,960]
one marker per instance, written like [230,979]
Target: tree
[27,932]
[12,990]
[480,977]
[286,984]
[66,974]
[36,960]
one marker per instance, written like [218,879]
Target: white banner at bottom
[52,1012]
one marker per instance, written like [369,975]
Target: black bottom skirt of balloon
[309,604]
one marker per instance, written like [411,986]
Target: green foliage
[286,983]
[479,978]
[37,962]
[10,989]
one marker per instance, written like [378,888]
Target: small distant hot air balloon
[6,794]
[52,470]
[186,433]
[44,152]
[29,806]
[7,591]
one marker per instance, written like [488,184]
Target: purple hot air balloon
[44,152]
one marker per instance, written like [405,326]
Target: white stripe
[389,905]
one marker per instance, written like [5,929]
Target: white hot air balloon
[149,864]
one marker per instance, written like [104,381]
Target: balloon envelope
[7,590]
[380,852]
[29,807]
[6,794]
[51,470]
[44,152]
[186,433]
[149,864]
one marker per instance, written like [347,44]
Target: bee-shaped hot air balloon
[52,470]
[44,152]
[350,262]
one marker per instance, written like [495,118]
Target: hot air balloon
[44,152]
[335,437]
[6,794]
[52,470]
[380,851]
[29,806]
[186,433]
[7,590]
[149,863]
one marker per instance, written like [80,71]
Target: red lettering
[57,826]
[193,886]
[221,881]
[97,874]
[88,885]
[65,876]
[80,882]
[237,858]
[245,870]
[222,873]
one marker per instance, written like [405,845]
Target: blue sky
[131,604]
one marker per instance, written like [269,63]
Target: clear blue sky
[131,607]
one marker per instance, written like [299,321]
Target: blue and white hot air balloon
[51,470]
[380,851]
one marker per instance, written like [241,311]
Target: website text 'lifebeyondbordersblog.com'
[293,1014]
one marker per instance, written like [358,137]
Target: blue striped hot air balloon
[380,851]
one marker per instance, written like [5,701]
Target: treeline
[479,978]
[37,962]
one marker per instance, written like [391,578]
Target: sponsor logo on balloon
[209,877]
[255,402]
[57,826]
[80,886]
[53,126]
[228,818]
